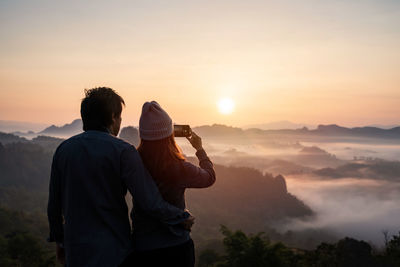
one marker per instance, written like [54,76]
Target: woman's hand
[188,223]
[195,140]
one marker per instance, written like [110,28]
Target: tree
[393,251]
[25,250]
[208,258]
[253,250]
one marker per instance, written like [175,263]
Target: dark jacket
[148,233]
[87,212]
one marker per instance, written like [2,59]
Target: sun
[226,106]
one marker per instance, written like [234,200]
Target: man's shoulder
[95,136]
[119,142]
[70,140]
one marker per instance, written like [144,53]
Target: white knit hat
[154,123]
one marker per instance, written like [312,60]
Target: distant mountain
[6,138]
[70,129]
[278,125]
[28,134]
[25,165]
[316,157]
[357,131]
[130,134]
[233,152]
[20,126]
[383,126]
[218,130]
[223,131]
[338,131]
[372,169]
[313,150]
[48,143]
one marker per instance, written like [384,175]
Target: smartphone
[182,130]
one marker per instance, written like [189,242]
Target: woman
[156,244]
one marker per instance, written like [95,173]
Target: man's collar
[99,129]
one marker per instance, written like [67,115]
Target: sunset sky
[305,61]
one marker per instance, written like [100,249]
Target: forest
[248,199]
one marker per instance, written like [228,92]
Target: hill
[130,134]
[261,198]
[277,125]
[20,126]
[219,130]
[68,129]
[333,130]
[376,169]
[282,129]
[6,138]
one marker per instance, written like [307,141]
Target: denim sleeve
[198,177]
[144,190]
[54,207]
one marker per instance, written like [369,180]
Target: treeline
[243,250]
[25,173]
[21,240]
[25,165]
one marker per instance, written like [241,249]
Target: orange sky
[303,61]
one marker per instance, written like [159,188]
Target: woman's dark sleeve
[145,192]
[198,177]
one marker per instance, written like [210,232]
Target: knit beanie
[154,123]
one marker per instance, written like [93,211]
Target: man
[90,175]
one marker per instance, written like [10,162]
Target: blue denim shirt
[87,211]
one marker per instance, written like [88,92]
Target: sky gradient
[315,62]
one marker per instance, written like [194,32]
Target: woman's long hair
[158,155]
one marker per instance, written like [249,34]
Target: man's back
[86,179]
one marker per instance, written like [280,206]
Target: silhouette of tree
[393,251]
[208,257]
[253,250]
[23,249]
[243,250]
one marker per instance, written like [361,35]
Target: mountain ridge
[69,128]
[321,130]
[76,126]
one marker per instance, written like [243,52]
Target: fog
[360,208]
[281,148]
[351,184]
[347,206]
[350,150]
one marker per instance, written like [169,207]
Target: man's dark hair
[99,106]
